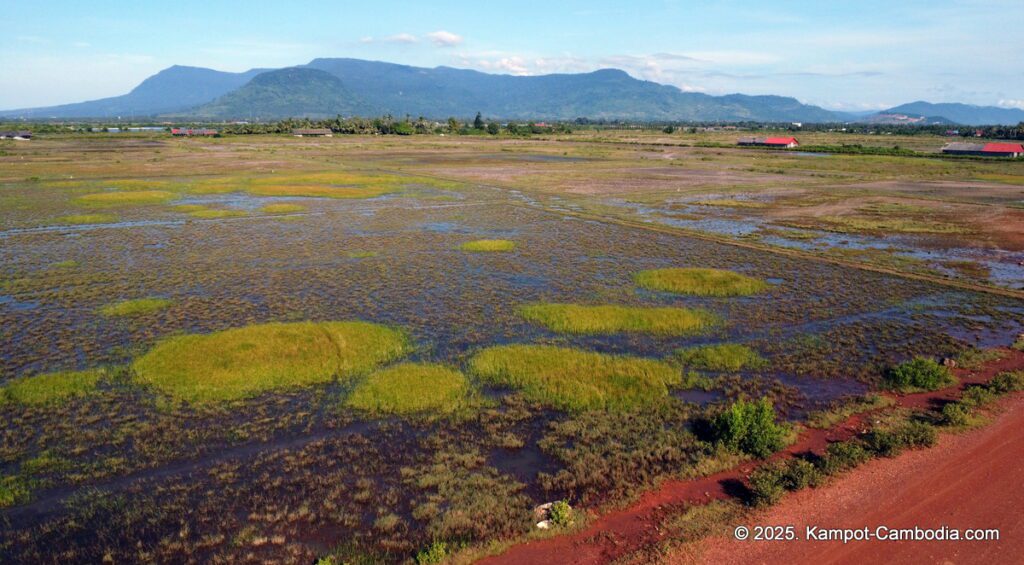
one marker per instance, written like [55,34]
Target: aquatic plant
[135,307]
[244,362]
[488,245]
[574,379]
[605,319]
[410,388]
[50,388]
[721,357]
[702,282]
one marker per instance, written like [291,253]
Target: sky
[845,55]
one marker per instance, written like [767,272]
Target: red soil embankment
[621,532]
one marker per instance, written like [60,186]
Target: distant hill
[385,88]
[962,113]
[905,119]
[172,89]
[291,92]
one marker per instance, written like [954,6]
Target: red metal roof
[1003,148]
[780,140]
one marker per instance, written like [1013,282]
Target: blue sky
[846,55]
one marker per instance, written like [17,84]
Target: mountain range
[350,87]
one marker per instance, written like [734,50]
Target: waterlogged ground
[239,233]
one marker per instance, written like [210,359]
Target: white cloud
[1010,103]
[443,38]
[402,38]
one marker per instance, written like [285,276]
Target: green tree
[453,125]
[478,121]
[493,128]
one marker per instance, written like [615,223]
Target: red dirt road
[972,480]
[620,532]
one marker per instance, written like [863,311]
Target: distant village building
[19,135]
[190,132]
[312,132]
[787,142]
[984,149]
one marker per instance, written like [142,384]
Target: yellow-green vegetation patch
[721,357]
[901,225]
[731,203]
[282,208]
[129,198]
[244,362]
[411,388]
[68,264]
[186,208]
[216,214]
[488,245]
[698,281]
[136,307]
[50,388]
[574,379]
[606,319]
[83,219]
[361,254]
[321,191]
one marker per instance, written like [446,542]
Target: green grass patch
[701,282]
[136,307]
[900,225]
[488,245]
[216,214]
[721,357]
[282,208]
[68,264]
[974,358]
[731,203]
[573,379]
[82,219]
[50,388]
[361,254]
[824,419]
[243,362]
[132,198]
[579,319]
[412,388]
[187,208]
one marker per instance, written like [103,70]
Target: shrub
[749,427]
[978,396]
[561,513]
[1007,382]
[843,456]
[436,552]
[889,443]
[800,474]
[956,414]
[767,485]
[918,373]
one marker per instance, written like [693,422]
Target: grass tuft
[136,307]
[131,198]
[50,388]
[573,379]
[411,388]
[83,219]
[216,214]
[243,362]
[701,282]
[578,319]
[488,245]
[282,208]
[721,357]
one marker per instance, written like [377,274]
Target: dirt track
[972,480]
[987,464]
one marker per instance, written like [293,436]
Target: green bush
[978,396]
[956,414]
[561,513]
[889,443]
[843,456]
[749,427]
[800,474]
[436,552]
[918,373]
[1007,382]
[767,484]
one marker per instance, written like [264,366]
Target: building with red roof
[787,142]
[994,149]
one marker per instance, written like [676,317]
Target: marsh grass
[243,362]
[50,388]
[282,208]
[579,319]
[573,379]
[83,219]
[721,357]
[824,419]
[135,307]
[731,203]
[882,224]
[361,254]
[412,388]
[216,214]
[130,198]
[488,245]
[698,281]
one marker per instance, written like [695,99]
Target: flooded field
[459,258]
